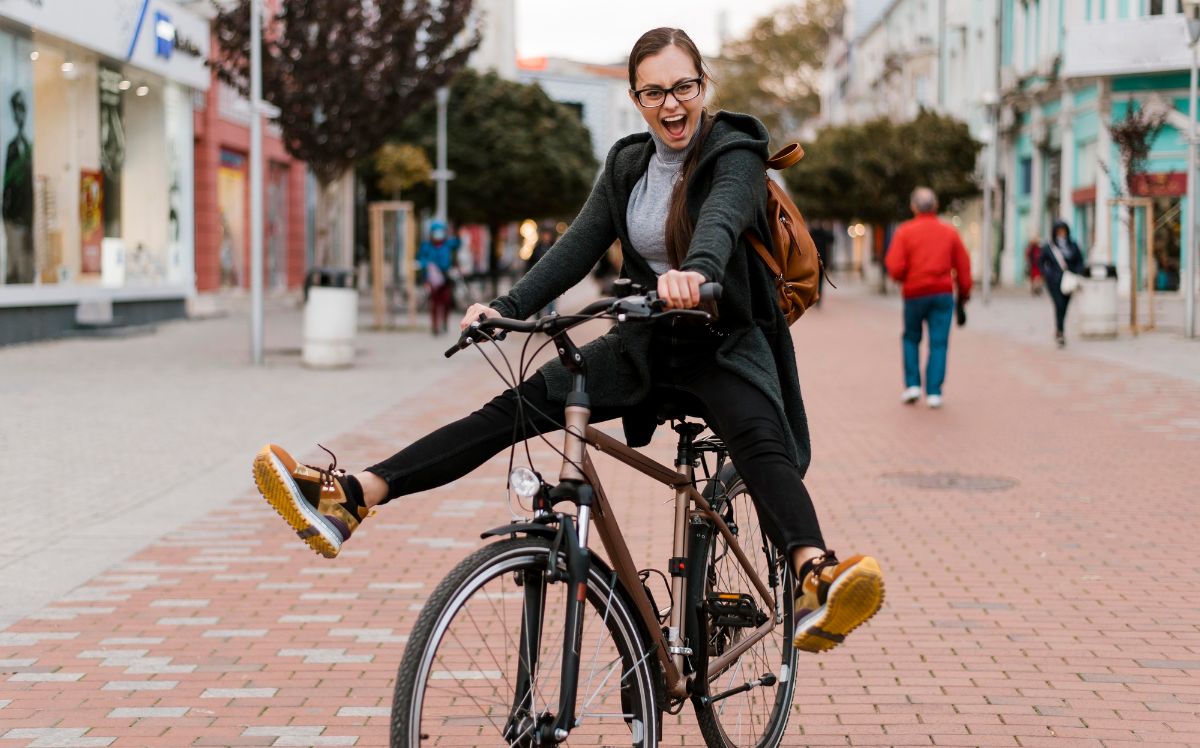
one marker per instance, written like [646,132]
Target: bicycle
[483,664]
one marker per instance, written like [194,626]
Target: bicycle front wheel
[483,665]
[730,610]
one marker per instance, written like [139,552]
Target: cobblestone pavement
[1037,535]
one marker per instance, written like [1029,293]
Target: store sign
[1159,184]
[159,36]
[164,35]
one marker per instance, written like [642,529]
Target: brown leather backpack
[794,263]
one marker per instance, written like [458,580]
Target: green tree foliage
[867,171]
[515,152]
[399,167]
[773,71]
[341,70]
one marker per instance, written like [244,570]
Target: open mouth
[675,125]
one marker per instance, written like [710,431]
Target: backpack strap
[786,156]
[761,248]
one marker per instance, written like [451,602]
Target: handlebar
[645,306]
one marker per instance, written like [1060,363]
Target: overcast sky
[603,31]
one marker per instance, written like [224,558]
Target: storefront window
[16,136]
[110,159]
[1168,228]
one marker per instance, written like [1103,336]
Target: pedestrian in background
[436,258]
[546,238]
[822,239]
[928,258]
[1033,261]
[1061,265]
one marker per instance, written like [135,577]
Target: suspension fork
[679,566]
[522,714]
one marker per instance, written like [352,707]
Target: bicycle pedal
[734,610]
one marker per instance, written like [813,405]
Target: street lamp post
[256,179]
[441,174]
[1188,270]
[991,104]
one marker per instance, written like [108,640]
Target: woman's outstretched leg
[325,506]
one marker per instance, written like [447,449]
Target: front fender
[527,528]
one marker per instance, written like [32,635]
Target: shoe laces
[820,563]
[329,475]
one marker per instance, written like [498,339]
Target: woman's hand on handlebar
[680,289]
[473,313]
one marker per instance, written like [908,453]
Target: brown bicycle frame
[669,653]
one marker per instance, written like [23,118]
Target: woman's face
[675,121]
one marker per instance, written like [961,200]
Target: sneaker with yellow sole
[312,500]
[835,598]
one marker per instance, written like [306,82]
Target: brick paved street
[1038,537]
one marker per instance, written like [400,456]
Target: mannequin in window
[18,199]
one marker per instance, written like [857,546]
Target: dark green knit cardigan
[726,195]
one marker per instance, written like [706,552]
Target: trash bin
[1098,302]
[330,317]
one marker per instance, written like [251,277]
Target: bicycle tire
[419,718]
[756,718]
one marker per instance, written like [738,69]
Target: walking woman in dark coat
[1060,254]
[679,198]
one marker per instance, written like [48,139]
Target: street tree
[866,171]
[773,71]
[399,167]
[515,154]
[1134,135]
[340,71]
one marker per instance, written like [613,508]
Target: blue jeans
[935,311]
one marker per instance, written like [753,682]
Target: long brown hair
[679,223]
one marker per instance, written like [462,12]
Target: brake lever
[474,335]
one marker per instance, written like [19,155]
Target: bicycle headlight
[525,482]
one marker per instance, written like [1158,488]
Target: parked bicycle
[537,640]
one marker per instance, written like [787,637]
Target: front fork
[572,486]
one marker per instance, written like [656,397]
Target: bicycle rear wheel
[731,609]
[483,663]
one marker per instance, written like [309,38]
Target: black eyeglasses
[682,91]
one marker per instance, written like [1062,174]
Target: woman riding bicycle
[679,198]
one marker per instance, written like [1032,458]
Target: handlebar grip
[710,291]
[462,343]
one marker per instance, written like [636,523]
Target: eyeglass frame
[637,93]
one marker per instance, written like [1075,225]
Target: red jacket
[922,254]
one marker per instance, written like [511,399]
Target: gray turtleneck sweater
[650,202]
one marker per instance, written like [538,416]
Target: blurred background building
[1040,83]
[97,133]
[1072,68]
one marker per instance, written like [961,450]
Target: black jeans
[735,409]
[1061,301]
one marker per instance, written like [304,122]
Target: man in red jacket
[928,257]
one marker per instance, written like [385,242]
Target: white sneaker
[934,401]
[910,395]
